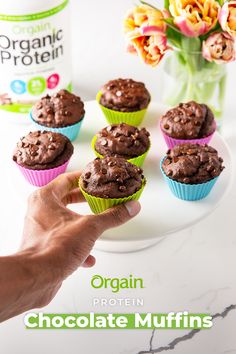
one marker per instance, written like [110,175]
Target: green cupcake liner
[98,205]
[138,160]
[116,117]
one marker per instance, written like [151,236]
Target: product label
[34,57]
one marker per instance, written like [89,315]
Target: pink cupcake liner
[171,142]
[40,178]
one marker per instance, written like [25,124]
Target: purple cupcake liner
[40,178]
[171,142]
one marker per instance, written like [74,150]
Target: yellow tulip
[194,17]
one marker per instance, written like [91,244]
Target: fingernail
[133,207]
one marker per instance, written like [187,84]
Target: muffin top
[111,177]
[192,163]
[60,110]
[188,121]
[42,150]
[122,140]
[125,95]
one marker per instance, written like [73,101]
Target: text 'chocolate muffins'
[42,150]
[122,140]
[188,121]
[60,110]
[192,163]
[125,95]
[111,177]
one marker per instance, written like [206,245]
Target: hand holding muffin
[111,181]
[56,241]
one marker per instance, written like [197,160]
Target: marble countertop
[193,270]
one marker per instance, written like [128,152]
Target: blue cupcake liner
[71,131]
[188,192]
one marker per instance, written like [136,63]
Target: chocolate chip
[104,171]
[14,158]
[121,139]
[186,180]
[85,184]
[122,188]
[169,173]
[34,153]
[119,180]
[136,143]
[191,152]
[111,163]
[87,175]
[210,168]
[167,161]
[104,142]
[166,126]
[49,110]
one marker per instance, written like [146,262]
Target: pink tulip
[227,17]
[194,17]
[219,48]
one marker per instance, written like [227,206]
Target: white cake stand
[162,214]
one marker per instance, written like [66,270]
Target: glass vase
[191,77]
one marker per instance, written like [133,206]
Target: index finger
[64,183]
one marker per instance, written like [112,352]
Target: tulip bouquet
[199,35]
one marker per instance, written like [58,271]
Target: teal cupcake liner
[117,117]
[71,131]
[188,192]
[138,160]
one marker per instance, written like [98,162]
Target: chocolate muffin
[188,121]
[60,110]
[125,95]
[41,150]
[192,163]
[122,140]
[111,177]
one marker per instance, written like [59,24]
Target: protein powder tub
[34,51]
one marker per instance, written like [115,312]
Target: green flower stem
[196,79]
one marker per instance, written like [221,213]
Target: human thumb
[117,215]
